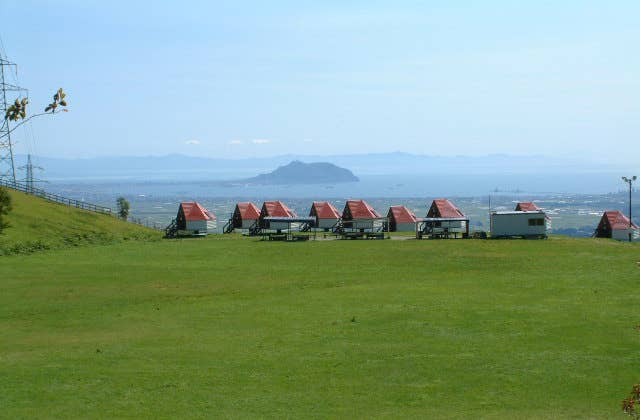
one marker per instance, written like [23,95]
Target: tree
[18,111]
[123,208]
[5,207]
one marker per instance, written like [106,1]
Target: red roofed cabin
[444,220]
[275,209]
[244,215]
[445,209]
[527,206]
[325,213]
[401,219]
[615,225]
[359,215]
[195,218]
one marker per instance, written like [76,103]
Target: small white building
[280,210]
[444,220]
[401,219]
[359,215]
[524,224]
[441,208]
[194,218]
[325,213]
[245,215]
[616,225]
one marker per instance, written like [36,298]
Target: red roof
[248,211]
[616,220]
[194,211]
[359,209]
[324,210]
[444,208]
[401,214]
[276,209]
[527,206]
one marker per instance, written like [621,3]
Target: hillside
[298,172]
[230,327]
[37,224]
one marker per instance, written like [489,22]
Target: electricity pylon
[7,164]
[29,179]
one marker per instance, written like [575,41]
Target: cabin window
[536,222]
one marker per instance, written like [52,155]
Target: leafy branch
[18,111]
[58,100]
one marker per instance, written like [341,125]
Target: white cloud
[235,142]
[307,140]
[260,141]
[192,142]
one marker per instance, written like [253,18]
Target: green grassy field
[37,225]
[234,327]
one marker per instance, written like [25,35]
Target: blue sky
[248,78]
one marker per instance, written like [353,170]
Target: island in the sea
[298,172]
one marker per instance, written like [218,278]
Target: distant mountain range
[181,167]
[298,172]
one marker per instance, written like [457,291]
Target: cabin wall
[326,223]
[366,224]
[281,225]
[197,225]
[517,225]
[456,225]
[623,234]
[405,227]
[445,226]
[246,224]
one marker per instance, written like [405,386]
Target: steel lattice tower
[30,180]
[7,164]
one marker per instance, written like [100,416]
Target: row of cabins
[275,215]
[443,220]
[357,214]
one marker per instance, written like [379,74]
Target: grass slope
[37,224]
[230,327]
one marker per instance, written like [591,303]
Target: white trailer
[523,224]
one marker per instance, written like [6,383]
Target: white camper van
[522,224]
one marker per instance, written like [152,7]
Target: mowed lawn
[231,327]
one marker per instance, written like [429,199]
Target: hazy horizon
[380,174]
[623,165]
